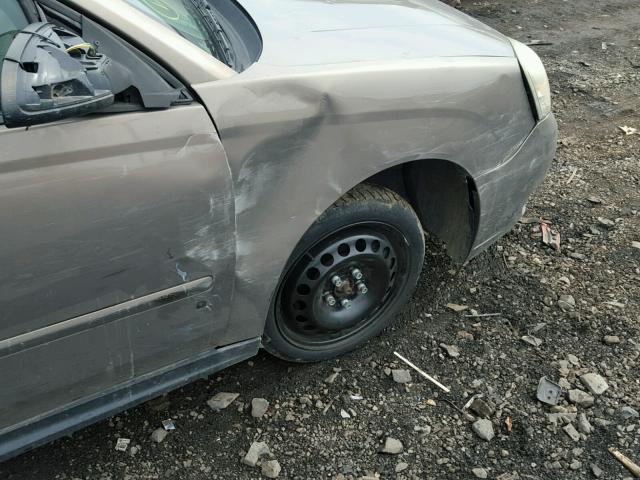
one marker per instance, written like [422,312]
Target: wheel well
[443,195]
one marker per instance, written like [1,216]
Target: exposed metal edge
[59,330]
[44,429]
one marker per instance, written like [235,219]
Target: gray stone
[222,400]
[580,398]
[481,408]
[271,469]
[596,470]
[479,472]
[594,382]
[392,446]
[451,350]
[575,465]
[628,412]
[605,222]
[561,418]
[601,422]
[401,467]
[483,428]
[508,476]
[159,435]
[611,340]
[572,432]
[567,303]
[256,450]
[331,378]
[583,424]
[401,376]
[259,407]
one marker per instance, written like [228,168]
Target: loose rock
[401,376]
[483,428]
[628,412]
[481,408]
[596,470]
[451,350]
[392,446]
[479,472]
[222,400]
[611,340]
[271,469]
[594,382]
[572,432]
[256,451]
[580,398]
[159,435]
[567,303]
[259,407]
[583,424]
[331,378]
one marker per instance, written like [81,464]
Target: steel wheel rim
[304,314]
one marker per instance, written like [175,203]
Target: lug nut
[337,281]
[346,303]
[362,288]
[331,300]
[357,274]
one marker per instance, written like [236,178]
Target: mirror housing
[41,82]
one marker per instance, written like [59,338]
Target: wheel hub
[339,284]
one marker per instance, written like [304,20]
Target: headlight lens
[536,76]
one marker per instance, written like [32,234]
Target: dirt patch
[591,197]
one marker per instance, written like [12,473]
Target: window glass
[195,20]
[180,15]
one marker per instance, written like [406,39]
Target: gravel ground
[580,306]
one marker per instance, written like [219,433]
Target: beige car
[185,181]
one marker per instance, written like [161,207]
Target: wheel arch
[444,196]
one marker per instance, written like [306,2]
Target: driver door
[117,251]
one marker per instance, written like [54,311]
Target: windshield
[194,20]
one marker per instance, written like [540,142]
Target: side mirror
[42,82]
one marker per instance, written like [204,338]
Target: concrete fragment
[256,451]
[611,340]
[580,398]
[159,435]
[479,472]
[401,376]
[271,469]
[222,400]
[594,382]
[583,424]
[259,407]
[483,428]
[567,303]
[392,446]
[571,431]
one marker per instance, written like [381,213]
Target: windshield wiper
[222,44]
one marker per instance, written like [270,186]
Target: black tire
[385,244]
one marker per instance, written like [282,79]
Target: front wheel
[349,275]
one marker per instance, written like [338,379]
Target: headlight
[536,77]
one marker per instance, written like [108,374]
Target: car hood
[320,32]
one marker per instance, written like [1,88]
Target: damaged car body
[185,181]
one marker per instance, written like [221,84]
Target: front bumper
[504,190]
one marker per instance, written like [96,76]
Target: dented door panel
[96,213]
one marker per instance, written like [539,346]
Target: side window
[12,19]
[67,65]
